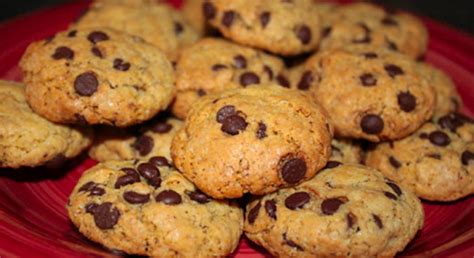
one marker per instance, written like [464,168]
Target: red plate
[33,220]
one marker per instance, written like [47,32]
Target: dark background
[457,13]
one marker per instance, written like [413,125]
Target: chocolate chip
[72,33]
[370,55]
[452,121]
[96,52]
[148,171]
[63,53]
[253,213]
[159,161]
[178,28]
[56,162]
[270,208]
[305,81]
[248,78]
[332,164]
[467,156]
[201,92]
[372,124]
[233,124]
[228,18]
[390,195]
[265,19]
[368,79]
[121,65]
[393,70]
[91,207]
[283,81]
[218,67]
[392,45]
[423,136]
[131,172]
[267,69]
[87,186]
[378,221]
[406,101]
[126,180]
[208,10]
[224,112]
[97,36]
[325,32]
[155,182]
[292,243]
[135,198]
[439,138]
[389,21]
[240,62]
[351,219]
[106,216]
[304,34]
[97,191]
[434,156]
[297,200]
[169,197]
[331,205]
[86,84]
[144,145]
[162,127]
[394,162]
[198,196]
[395,188]
[294,170]
[262,130]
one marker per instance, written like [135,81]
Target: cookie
[142,209]
[345,211]
[447,97]
[280,27]
[29,140]
[371,94]
[158,24]
[152,138]
[436,162]
[367,24]
[97,76]
[213,65]
[252,140]
[346,151]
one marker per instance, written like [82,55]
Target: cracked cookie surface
[97,76]
[344,211]
[142,208]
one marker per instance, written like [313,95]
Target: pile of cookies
[320,121]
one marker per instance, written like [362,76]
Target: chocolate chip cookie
[447,97]
[213,65]
[152,138]
[344,211]
[436,162]
[252,140]
[29,140]
[373,94]
[144,208]
[97,76]
[158,24]
[280,27]
[367,24]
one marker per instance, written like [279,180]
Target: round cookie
[97,76]
[373,94]
[367,24]
[213,65]
[447,97]
[345,211]
[153,138]
[29,140]
[142,209]
[158,24]
[252,140]
[345,151]
[436,162]
[280,27]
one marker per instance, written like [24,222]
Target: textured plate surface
[33,220]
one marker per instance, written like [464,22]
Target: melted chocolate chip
[97,36]
[262,130]
[265,19]
[394,162]
[63,53]
[159,161]
[439,138]
[106,216]
[72,33]
[198,196]
[271,208]
[370,55]
[162,127]
[466,157]
[351,219]
[86,84]
[225,112]
[452,121]
[208,10]
[91,207]
[377,221]
[87,186]
[331,205]
[406,101]
[304,34]
[148,171]
[96,52]
[201,92]
[332,164]
[253,213]
[305,81]
[268,70]
[169,197]
[126,180]
[395,188]
[393,70]
[292,243]
[121,65]
[297,200]
[390,195]
[293,170]
[233,125]
[228,18]
[135,198]
[248,78]
[97,191]
[372,124]
[283,81]
[240,62]
[218,67]
[368,79]
[144,145]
